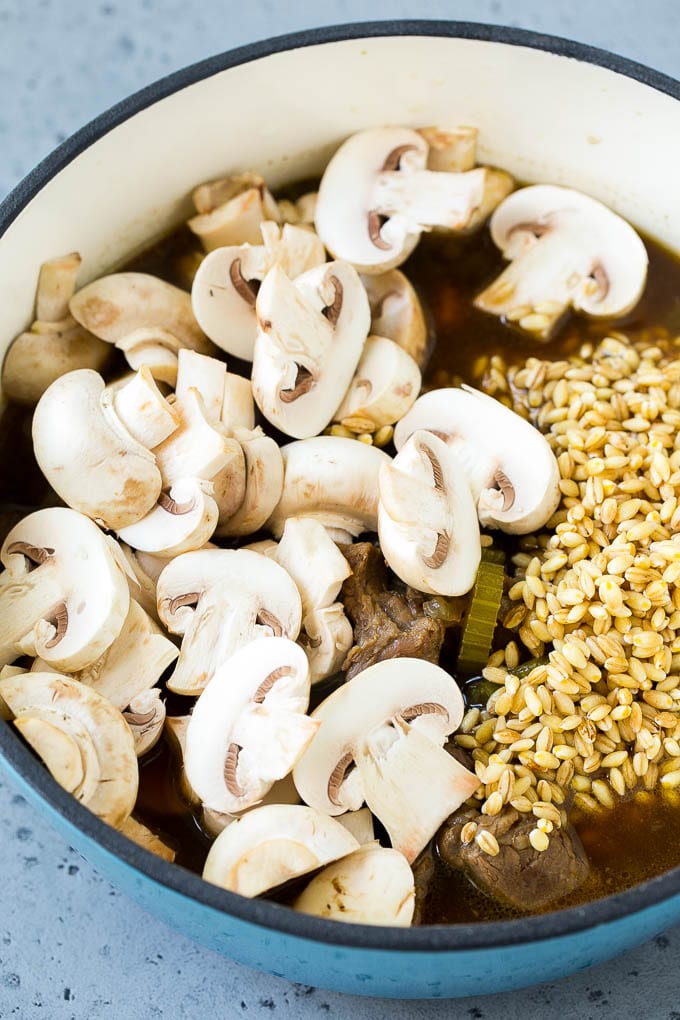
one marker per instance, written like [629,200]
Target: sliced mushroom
[176,731]
[219,600]
[145,715]
[566,250]
[55,344]
[115,306]
[373,885]
[281,792]
[88,456]
[246,733]
[141,407]
[327,638]
[84,741]
[385,384]
[310,338]
[205,374]
[376,197]
[131,665]
[238,409]
[453,151]
[156,348]
[396,312]
[203,449]
[427,520]
[410,783]
[272,844]
[510,467]
[417,691]
[314,562]
[142,570]
[144,837]
[183,520]
[360,824]
[63,595]
[263,483]
[301,211]
[334,481]
[231,211]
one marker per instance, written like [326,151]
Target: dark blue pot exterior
[436,962]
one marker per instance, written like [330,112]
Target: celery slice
[483,613]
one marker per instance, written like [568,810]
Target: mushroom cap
[414,689]
[568,249]
[427,520]
[346,220]
[145,716]
[156,348]
[88,457]
[327,639]
[148,840]
[272,844]
[182,520]
[219,600]
[248,727]
[263,483]
[310,338]
[236,220]
[396,312]
[223,296]
[373,885]
[35,360]
[510,467]
[84,741]
[333,480]
[385,384]
[63,595]
[114,306]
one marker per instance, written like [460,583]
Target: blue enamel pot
[547,110]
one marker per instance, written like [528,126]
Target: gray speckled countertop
[71,946]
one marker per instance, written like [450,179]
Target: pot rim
[265,914]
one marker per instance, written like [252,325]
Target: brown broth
[640,837]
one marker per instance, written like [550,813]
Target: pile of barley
[598,591]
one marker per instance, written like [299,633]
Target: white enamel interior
[542,117]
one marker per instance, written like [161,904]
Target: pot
[547,110]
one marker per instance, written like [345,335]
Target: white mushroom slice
[333,480]
[131,665]
[248,727]
[427,520]
[84,741]
[510,467]
[396,312]
[360,824]
[566,250]
[410,783]
[238,408]
[145,715]
[115,306]
[272,844]
[302,211]
[314,562]
[55,344]
[373,885]
[142,570]
[236,220]
[219,600]
[223,296]
[294,249]
[143,409]
[205,374]
[327,639]
[417,691]
[203,449]
[453,151]
[376,197]
[176,731]
[385,385]
[310,338]
[182,520]
[144,837]
[263,484]
[209,196]
[155,348]
[88,456]
[63,595]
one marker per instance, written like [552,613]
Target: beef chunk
[519,875]
[387,623]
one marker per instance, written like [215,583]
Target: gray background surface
[71,947]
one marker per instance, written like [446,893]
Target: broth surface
[636,840]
